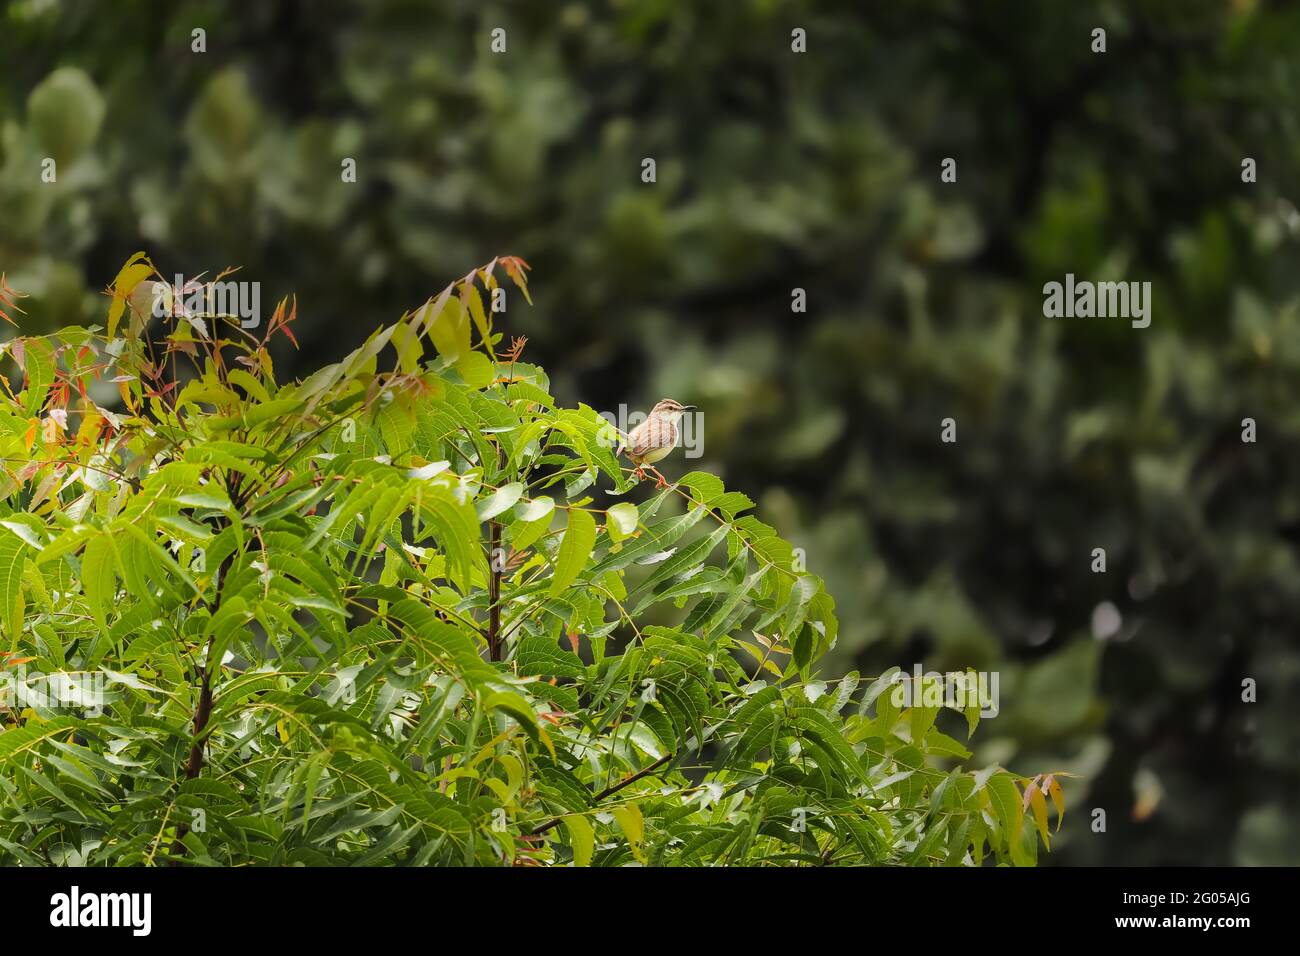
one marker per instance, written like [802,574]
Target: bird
[654,438]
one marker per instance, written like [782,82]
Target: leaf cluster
[408,610]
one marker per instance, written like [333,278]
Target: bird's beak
[688,406]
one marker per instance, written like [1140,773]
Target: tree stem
[204,709]
[496,565]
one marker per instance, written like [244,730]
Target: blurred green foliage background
[820,171]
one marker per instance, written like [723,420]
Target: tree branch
[495,570]
[609,791]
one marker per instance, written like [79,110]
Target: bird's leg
[660,481]
[640,473]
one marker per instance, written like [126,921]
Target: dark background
[820,171]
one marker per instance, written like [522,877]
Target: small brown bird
[654,438]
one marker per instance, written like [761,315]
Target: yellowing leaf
[476,369]
[1039,805]
[582,838]
[450,330]
[633,826]
[137,269]
[475,303]
[1058,799]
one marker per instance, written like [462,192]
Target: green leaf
[575,549]
[621,520]
[503,498]
[99,576]
[30,530]
[534,510]
[1005,802]
[518,708]
[656,539]
[703,486]
[273,410]
[427,633]
[13,556]
[39,366]
[425,472]
[941,745]
[538,655]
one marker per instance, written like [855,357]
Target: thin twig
[609,791]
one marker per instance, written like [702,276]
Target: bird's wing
[650,434]
[635,445]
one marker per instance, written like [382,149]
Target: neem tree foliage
[387,614]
